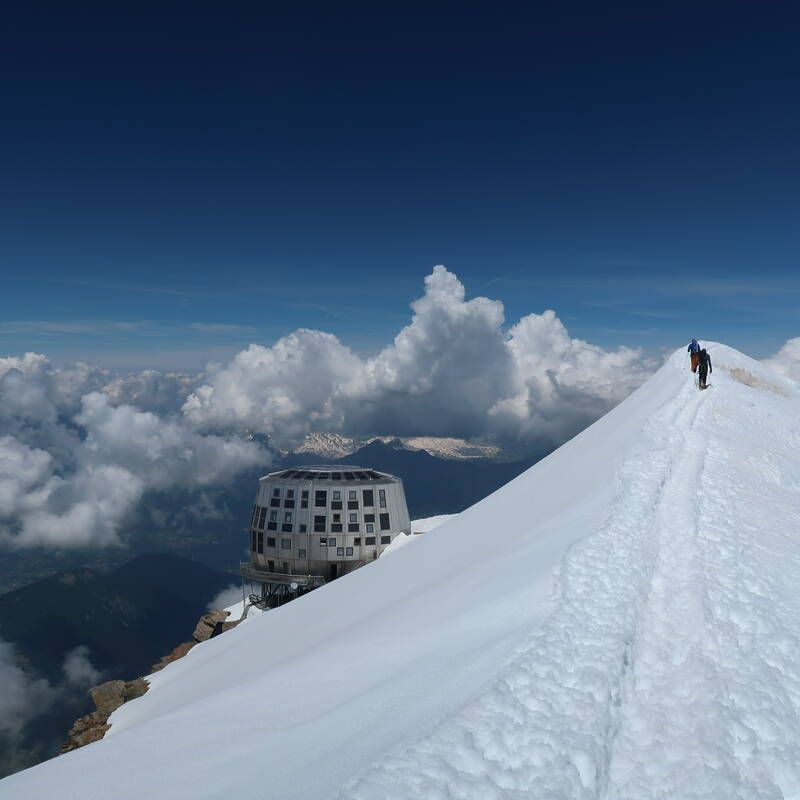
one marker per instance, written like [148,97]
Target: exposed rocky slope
[109,696]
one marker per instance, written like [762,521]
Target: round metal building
[312,524]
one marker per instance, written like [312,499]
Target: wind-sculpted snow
[546,727]
[621,622]
[669,667]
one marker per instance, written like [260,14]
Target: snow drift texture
[621,621]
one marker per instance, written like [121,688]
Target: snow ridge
[545,728]
[662,670]
[712,708]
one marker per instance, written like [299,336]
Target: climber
[694,353]
[704,367]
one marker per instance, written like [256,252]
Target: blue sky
[178,184]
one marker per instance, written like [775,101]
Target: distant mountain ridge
[337,445]
[433,485]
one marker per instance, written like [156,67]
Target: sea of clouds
[80,446]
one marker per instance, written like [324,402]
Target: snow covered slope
[621,621]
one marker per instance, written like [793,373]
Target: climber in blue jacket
[694,353]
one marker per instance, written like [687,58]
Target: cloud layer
[27,696]
[787,359]
[455,370]
[73,465]
[81,448]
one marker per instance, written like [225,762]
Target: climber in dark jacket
[704,367]
[694,353]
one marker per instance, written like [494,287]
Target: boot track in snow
[625,690]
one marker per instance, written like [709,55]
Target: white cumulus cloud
[787,359]
[283,391]
[454,370]
[73,465]
[23,696]
[79,670]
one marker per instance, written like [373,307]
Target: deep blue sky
[178,182]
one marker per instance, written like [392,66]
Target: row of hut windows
[259,518]
[257,543]
[321,498]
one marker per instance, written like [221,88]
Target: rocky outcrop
[86,730]
[179,652]
[210,625]
[109,696]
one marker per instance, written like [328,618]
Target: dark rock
[108,696]
[135,688]
[86,730]
[179,652]
[209,625]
